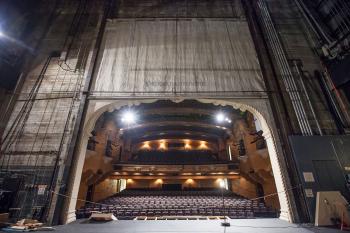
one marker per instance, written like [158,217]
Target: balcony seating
[175,157]
[133,203]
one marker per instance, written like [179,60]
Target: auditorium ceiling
[186,120]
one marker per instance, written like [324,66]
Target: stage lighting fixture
[220,117]
[129,117]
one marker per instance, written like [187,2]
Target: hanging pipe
[285,72]
[299,72]
[287,83]
[284,68]
[315,26]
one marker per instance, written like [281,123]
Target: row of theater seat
[133,203]
[148,192]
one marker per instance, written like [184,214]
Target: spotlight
[129,117]
[220,117]
[1,34]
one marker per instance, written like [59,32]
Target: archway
[259,108]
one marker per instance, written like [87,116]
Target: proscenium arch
[261,112]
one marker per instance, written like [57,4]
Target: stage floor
[187,226]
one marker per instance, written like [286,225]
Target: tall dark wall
[326,160]
[340,72]
[300,47]
[20,24]
[56,39]
[330,19]
[23,24]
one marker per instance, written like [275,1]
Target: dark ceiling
[188,119]
[18,19]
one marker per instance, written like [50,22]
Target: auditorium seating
[175,157]
[132,203]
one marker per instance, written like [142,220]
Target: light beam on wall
[203,145]
[189,181]
[159,181]
[187,144]
[146,146]
[229,152]
[223,183]
[162,145]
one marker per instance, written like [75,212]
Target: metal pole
[222,186]
[297,68]
[222,196]
[284,68]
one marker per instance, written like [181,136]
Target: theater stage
[187,226]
